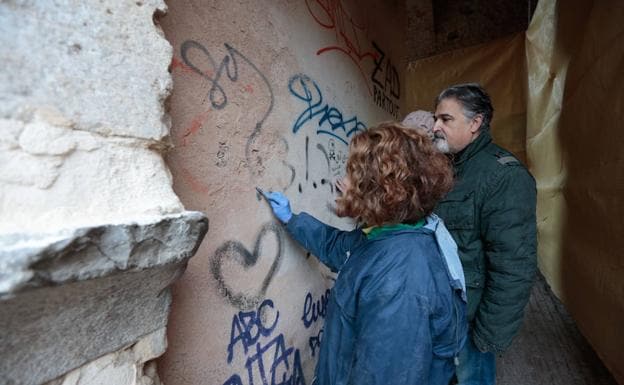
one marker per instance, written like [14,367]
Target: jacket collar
[473,148]
[379,231]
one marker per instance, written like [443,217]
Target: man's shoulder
[495,164]
[495,157]
[505,168]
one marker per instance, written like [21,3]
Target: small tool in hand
[279,204]
[259,190]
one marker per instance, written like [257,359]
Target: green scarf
[375,232]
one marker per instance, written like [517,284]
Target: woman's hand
[280,206]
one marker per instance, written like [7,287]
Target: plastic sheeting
[559,105]
[575,62]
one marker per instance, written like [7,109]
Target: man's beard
[441,144]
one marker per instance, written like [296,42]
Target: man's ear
[475,125]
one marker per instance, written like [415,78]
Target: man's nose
[436,125]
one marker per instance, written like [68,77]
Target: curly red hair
[395,175]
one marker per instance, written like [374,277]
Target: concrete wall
[91,232]
[268,94]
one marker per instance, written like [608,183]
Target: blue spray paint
[305,89]
[313,310]
[267,363]
[242,325]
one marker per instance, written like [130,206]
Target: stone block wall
[91,233]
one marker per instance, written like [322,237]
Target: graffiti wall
[266,94]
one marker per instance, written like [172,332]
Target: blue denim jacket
[393,316]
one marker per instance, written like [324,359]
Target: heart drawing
[234,250]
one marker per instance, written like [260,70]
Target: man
[491,214]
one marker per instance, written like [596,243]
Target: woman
[396,313]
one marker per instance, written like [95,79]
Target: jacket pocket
[458,212]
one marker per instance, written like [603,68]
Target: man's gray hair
[474,100]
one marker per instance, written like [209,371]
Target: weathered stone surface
[129,366]
[103,63]
[30,261]
[45,333]
[54,176]
[70,297]
[82,114]
[82,123]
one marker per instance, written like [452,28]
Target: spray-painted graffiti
[330,119]
[335,160]
[352,40]
[267,362]
[314,310]
[222,154]
[229,64]
[193,53]
[331,125]
[315,342]
[245,323]
[233,250]
[350,35]
[335,156]
[386,84]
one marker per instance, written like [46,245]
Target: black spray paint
[234,250]
[219,99]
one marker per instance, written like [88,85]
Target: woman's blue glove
[280,206]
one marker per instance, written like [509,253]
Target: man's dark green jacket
[491,215]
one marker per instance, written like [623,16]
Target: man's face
[452,130]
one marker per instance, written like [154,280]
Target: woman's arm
[329,244]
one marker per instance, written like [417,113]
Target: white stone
[70,296]
[89,307]
[151,346]
[129,366]
[22,169]
[85,253]
[103,64]
[91,233]
[43,139]
[53,175]
[9,134]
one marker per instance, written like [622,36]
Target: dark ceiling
[436,26]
